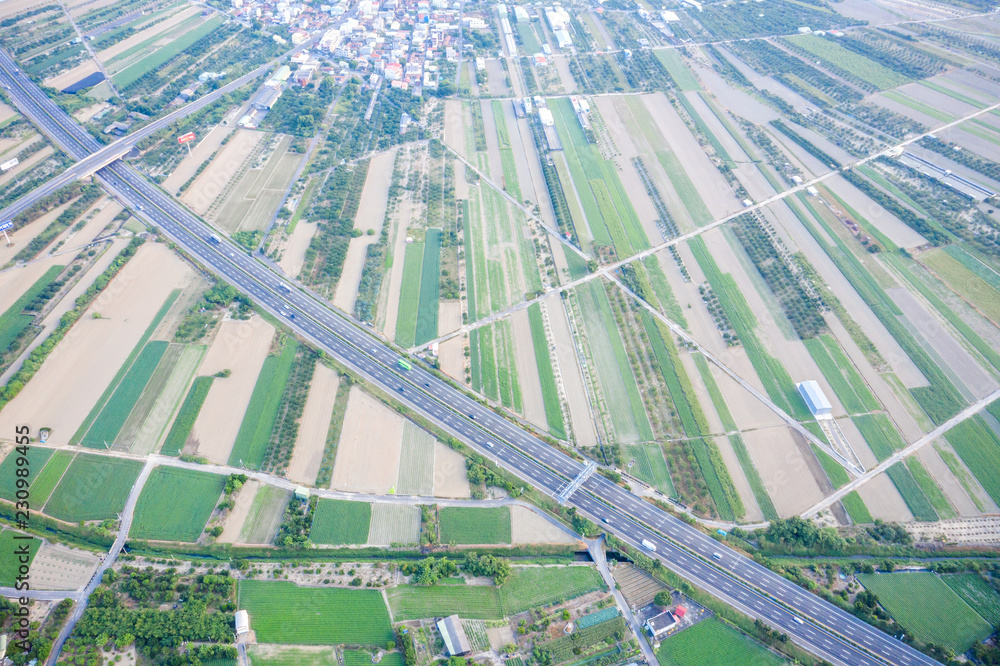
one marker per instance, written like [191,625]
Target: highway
[813,623]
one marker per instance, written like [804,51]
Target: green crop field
[476,602]
[341,522]
[930,488]
[266,511]
[268,656]
[932,611]
[93,488]
[47,479]
[967,276]
[463,525]
[867,70]
[175,504]
[364,658]
[188,414]
[162,55]
[881,436]
[9,565]
[843,377]
[650,466]
[116,411]
[409,295]
[714,643]
[394,523]
[546,377]
[430,289]
[12,322]
[528,39]
[258,421]
[909,489]
[678,71]
[977,593]
[856,508]
[36,459]
[978,447]
[322,616]
[530,587]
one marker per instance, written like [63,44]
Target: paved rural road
[829,632]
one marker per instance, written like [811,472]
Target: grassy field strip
[175,504]
[847,383]
[856,508]
[116,62]
[962,474]
[94,487]
[112,418]
[161,56]
[472,525]
[613,368]
[416,461]
[186,417]
[409,295]
[773,375]
[139,346]
[546,376]
[336,615]
[977,593]
[154,426]
[413,602]
[909,102]
[713,642]
[148,399]
[678,71]
[979,448]
[650,466]
[843,59]
[954,94]
[703,127]
[12,322]
[9,566]
[930,488]
[258,421]
[430,288]
[508,380]
[46,480]
[339,522]
[910,491]
[528,39]
[530,587]
[37,458]
[949,266]
[834,471]
[394,523]
[932,611]
[264,519]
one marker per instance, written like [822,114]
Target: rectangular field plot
[712,643]
[322,616]
[413,602]
[932,611]
[264,519]
[164,395]
[416,461]
[93,488]
[977,593]
[111,419]
[188,414]
[409,295]
[650,466]
[340,522]
[468,525]
[149,398]
[47,479]
[394,523]
[258,421]
[175,504]
[268,656]
[36,459]
[12,322]
[430,287]
[529,587]
[9,565]
[364,658]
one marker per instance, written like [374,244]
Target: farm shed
[815,399]
[242,622]
[453,633]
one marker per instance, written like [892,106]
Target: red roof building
[680,612]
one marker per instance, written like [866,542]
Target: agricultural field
[94,488]
[258,422]
[412,602]
[930,609]
[46,480]
[336,615]
[341,522]
[175,504]
[269,655]
[650,466]
[36,459]
[264,517]
[393,524]
[529,587]
[188,414]
[9,541]
[713,642]
[977,593]
[468,525]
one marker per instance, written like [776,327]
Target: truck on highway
[649,545]
[404,364]
[215,240]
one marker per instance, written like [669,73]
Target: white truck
[649,545]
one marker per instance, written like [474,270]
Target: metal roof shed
[815,399]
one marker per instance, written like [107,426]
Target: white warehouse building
[815,399]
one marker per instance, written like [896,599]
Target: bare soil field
[451,353]
[753,512]
[496,77]
[884,501]
[148,33]
[255,200]
[561,63]
[85,361]
[886,222]
[25,164]
[527,370]
[391,310]
[307,456]
[212,181]
[71,76]
[59,567]
[239,513]
[783,469]
[529,527]
[200,152]
[79,8]
[15,281]
[346,294]
[369,447]
[239,346]
[454,131]
[294,254]
[950,485]
[11,7]
[566,365]
[6,112]
[449,473]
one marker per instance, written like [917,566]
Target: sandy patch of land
[59,567]
[241,347]
[239,513]
[451,353]
[15,281]
[6,112]
[346,294]
[148,33]
[71,76]
[295,250]
[565,76]
[449,473]
[199,153]
[454,131]
[11,7]
[402,216]
[884,501]
[528,527]
[527,369]
[783,469]
[307,456]
[104,212]
[752,509]
[212,181]
[566,365]
[369,447]
[950,485]
[85,361]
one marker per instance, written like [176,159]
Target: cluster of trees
[39,644]
[887,201]
[429,570]
[482,475]
[202,317]
[88,195]
[428,524]
[807,145]
[769,59]
[296,524]
[404,643]
[496,568]
[738,21]
[334,210]
[891,53]
[300,110]
[293,402]
[800,533]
